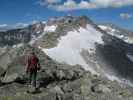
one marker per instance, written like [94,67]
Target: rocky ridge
[61,81]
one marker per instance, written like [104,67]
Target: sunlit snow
[71,45]
[113,32]
[51,28]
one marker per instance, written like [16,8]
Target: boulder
[56,90]
[101,88]
[15,70]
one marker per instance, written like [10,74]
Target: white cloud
[85,4]
[68,5]
[53,1]
[126,15]
[20,25]
[49,2]
[34,21]
[3,25]
[90,4]
[112,3]
[72,5]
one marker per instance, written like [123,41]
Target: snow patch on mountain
[51,28]
[70,46]
[130,57]
[46,29]
[111,31]
[18,45]
[114,32]
[34,38]
[103,27]
[123,81]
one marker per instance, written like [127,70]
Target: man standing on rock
[31,69]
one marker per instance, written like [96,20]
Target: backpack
[33,62]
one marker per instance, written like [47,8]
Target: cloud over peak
[112,3]
[49,2]
[126,16]
[61,5]
[3,25]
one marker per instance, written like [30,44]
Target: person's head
[32,53]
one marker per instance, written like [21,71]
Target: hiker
[31,68]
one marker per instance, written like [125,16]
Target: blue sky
[14,12]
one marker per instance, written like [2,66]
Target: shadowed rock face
[114,56]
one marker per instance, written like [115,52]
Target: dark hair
[32,52]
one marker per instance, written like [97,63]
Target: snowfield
[70,46]
[51,28]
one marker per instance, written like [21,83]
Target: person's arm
[38,65]
[27,65]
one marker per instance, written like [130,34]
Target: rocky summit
[79,61]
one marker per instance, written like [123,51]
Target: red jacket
[32,63]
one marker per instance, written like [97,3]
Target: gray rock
[60,74]
[101,88]
[56,90]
